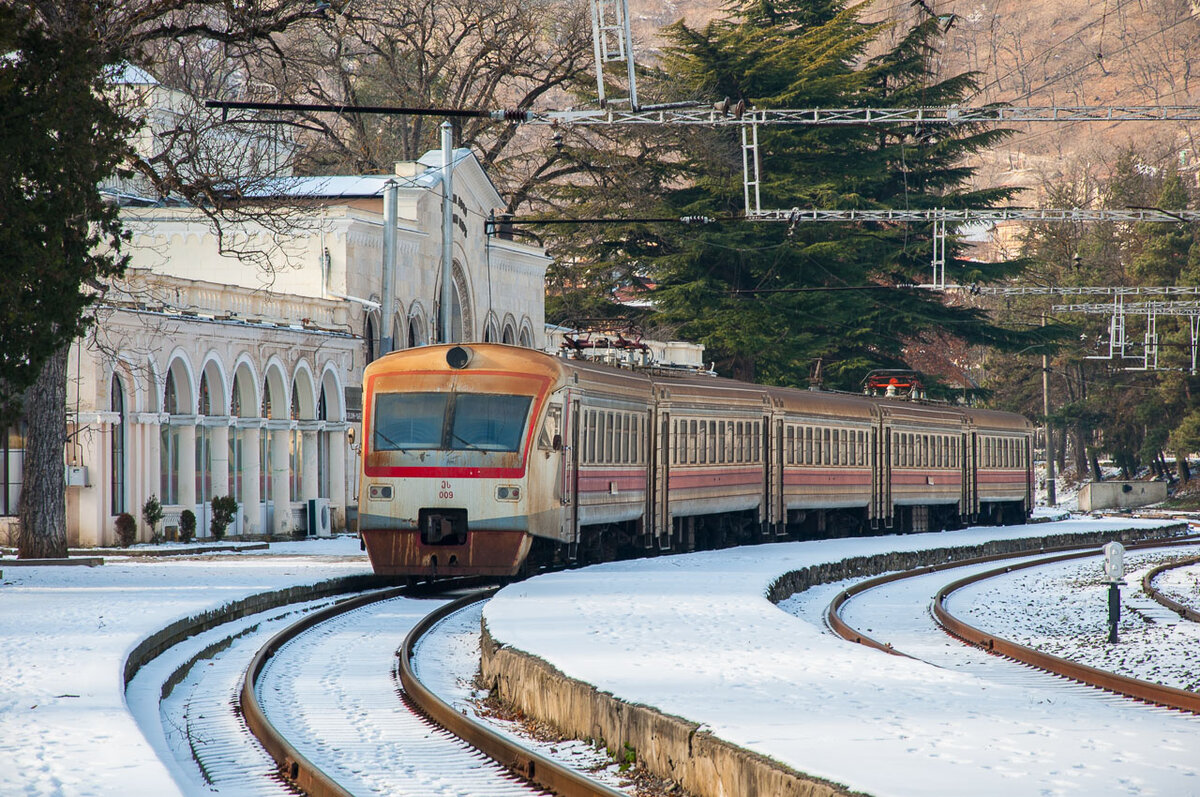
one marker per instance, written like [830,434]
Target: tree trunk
[1185,473]
[43,508]
[1094,459]
[1080,451]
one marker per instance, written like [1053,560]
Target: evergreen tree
[776,302]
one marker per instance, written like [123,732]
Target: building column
[308,458]
[145,479]
[337,472]
[281,473]
[219,441]
[251,474]
[187,460]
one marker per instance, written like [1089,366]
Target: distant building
[210,375]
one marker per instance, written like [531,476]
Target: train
[494,460]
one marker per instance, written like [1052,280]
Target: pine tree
[775,302]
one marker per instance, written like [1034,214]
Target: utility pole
[447,229]
[388,290]
[1051,494]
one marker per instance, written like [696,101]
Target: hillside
[1057,52]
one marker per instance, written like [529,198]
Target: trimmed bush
[126,529]
[187,525]
[152,513]
[224,510]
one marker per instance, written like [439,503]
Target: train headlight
[508,493]
[458,357]
[379,492]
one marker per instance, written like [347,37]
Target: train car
[999,448]
[485,459]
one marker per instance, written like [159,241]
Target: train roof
[997,419]
[685,387]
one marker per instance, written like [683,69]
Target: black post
[1114,610]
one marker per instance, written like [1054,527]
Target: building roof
[358,186]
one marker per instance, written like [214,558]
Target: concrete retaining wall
[675,748]
[1120,495]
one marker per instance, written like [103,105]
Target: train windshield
[449,421]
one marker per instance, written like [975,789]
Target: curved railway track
[457,751]
[1146,691]
[1186,612]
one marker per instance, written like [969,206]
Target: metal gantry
[706,114]
[940,216]
[1118,310]
[612,40]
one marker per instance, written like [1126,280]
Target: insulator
[510,115]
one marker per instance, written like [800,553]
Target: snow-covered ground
[695,637]
[65,632]
[633,627]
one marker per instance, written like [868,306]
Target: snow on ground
[694,636]
[65,633]
[1062,610]
[65,728]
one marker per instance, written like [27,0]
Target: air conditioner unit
[319,521]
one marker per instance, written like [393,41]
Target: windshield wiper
[467,443]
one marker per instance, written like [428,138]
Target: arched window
[510,335]
[369,335]
[324,441]
[526,339]
[169,445]
[170,398]
[416,332]
[234,487]
[295,447]
[205,405]
[264,446]
[397,333]
[117,447]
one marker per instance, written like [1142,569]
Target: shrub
[187,525]
[224,510]
[126,529]
[152,513]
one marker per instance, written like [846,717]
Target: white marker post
[1114,574]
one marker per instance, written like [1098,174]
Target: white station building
[210,375]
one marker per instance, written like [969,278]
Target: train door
[662,480]
[764,512]
[779,511]
[973,475]
[964,502]
[1028,467]
[570,478]
[649,440]
[875,462]
[885,475]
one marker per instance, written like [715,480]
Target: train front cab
[447,448]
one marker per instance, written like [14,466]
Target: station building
[212,374]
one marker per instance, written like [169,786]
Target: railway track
[316,698]
[1146,691]
[1184,611]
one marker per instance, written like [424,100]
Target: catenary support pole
[447,230]
[388,289]
[1051,492]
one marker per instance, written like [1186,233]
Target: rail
[544,772]
[1136,688]
[1131,687]
[1185,612]
[293,766]
[843,629]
